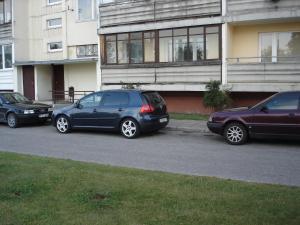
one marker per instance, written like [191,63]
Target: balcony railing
[271,59]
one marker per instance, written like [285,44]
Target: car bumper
[31,118]
[153,123]
[215,127]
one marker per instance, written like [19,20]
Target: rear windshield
[153,98]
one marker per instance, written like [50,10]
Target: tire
[12,120]
[62,124]
[129,128]
[235,133]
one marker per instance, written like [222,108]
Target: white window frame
[55,26]
[3,57]
[54,3]
[55,50]
[94,4]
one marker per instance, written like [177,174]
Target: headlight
[28,111]
[50,110]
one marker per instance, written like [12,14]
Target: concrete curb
[188,126]
[187,129]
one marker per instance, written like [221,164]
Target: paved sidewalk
[188,125]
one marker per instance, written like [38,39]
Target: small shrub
[216,98]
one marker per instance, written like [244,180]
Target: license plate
[44,115]
[163,120]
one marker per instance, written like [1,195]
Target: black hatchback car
[128,111]
[16,109]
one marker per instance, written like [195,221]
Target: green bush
[216,98]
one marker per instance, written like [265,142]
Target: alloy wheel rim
[235,134]
[11,121]
[129,128]
[62,124]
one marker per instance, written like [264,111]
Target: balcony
[5,31]
[140,11]
[261,74]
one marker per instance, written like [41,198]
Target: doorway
[28,82]
[58,82]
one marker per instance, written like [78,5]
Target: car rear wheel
[12,120]
[130,128]
[63,124]
[235,134]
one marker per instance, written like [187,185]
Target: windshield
[14,98]
[263,101]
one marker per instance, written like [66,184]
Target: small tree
[216,98]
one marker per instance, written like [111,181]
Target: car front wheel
[235,134]
[130,128]
[63,124]
[12,120]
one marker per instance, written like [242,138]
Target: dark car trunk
[156,101]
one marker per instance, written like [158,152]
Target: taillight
[146,109]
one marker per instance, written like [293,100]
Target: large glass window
[280,46]
[92,100]
[288,101]
[166,46]
[123,45]
[149,47]
[115,99]
[180,45]
[136,47]
[111,49]
[212,43]
[197,43]
[85,10]
[193,44]
[5,57]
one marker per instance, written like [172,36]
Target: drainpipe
[224,43]
[98,64]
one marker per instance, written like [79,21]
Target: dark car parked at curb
[127,111]
[15,109]
[277,116]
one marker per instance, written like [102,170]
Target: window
[116,99]
[55,46]
[279,46]
[136,47]
[5,57]
[86,10]
[149,46]
[212,43]
[111,49]
[54,23]
[5,11]
[180,45]
[53,2]
[197,43]
[166,46]
[92,100]
[193,44]
[123,46]
[284,102]
[87,51]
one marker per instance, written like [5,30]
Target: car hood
[64,109]
[240,109]
[31,105]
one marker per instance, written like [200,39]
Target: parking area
[178,151]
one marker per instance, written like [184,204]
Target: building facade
[56,47]
[176,47]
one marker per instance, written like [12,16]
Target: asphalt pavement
[184,151]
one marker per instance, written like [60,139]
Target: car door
[113,106]
[278,116]
[85,114]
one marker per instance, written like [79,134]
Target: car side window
[116,99]
[91,100]
[288,101]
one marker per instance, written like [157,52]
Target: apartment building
[56,47]
[6,46]
[176,47]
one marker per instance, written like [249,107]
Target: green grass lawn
[183,116]
[44,191]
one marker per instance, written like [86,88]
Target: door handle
[95,110]
[120,110]
[292,114]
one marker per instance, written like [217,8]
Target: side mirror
[78,105]
[264,109]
